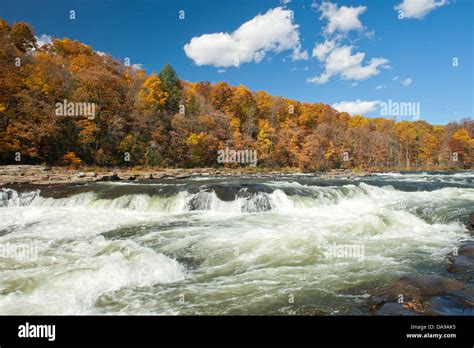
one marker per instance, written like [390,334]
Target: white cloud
[273,31]
[43,40]
[298,54]
[339,60]
[342,19]
[284,2]
[418,8]
[379,87]
[322,50]
[356,107]
[407,82]
[395,78]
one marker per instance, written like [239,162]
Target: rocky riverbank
[42,175]
[432,294]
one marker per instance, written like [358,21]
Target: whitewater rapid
[226,246]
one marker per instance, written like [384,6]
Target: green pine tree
[171,85]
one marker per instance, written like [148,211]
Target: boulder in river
[416,294]
[394,308]
[459,302]
[462,260]
[470,222]
[417,287]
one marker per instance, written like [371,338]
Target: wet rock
[416,288]
[420,295]
[459,302]
[229,193]
[462,261]
[110,177]
[461,264]
[433,285]
[224,193]
[470,222]
[467,248]
[394,308]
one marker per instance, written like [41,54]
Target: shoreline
[43,175]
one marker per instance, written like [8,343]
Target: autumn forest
[163,121]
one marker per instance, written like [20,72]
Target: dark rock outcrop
[459,302]
[423,294]
[110,177]
[461,261]
[416,288]
[470,222]
[394,308]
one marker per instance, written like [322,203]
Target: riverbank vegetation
[160,120]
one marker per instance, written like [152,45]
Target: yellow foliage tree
[265,137]
[428,148]
[71,159]
[357,121]
[152,95]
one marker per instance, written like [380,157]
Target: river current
[276,245]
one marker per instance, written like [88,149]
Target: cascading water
[227,246]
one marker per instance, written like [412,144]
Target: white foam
[81,271]
[244,255]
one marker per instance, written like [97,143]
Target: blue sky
[353,54]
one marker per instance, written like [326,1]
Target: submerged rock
[456,303]
[394,308]
[467,248]
[462,261]
[470,222]
[461,264]
[416,288]
[422,294]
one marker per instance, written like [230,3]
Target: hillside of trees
[160,120]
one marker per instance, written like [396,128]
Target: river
[252,245]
